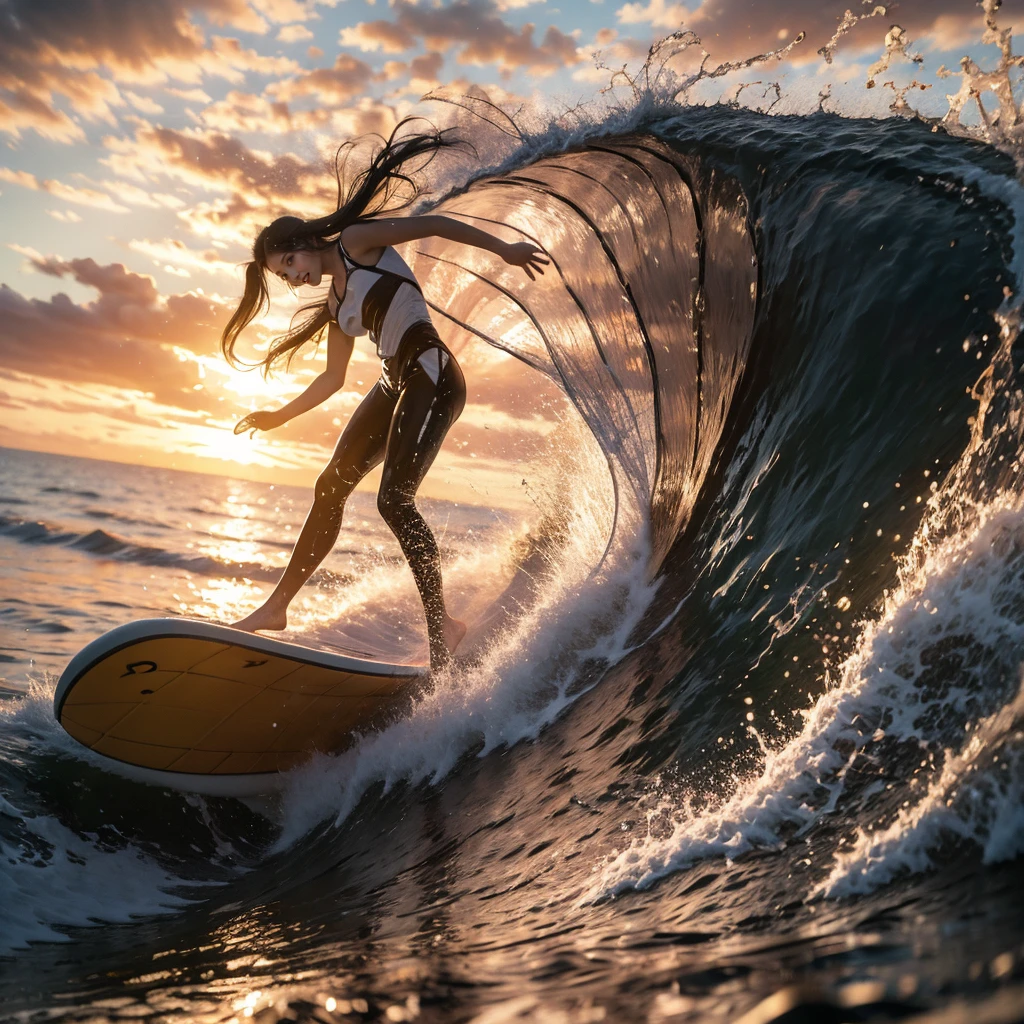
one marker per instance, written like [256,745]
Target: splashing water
[571,624]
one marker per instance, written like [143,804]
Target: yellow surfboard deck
[209,709]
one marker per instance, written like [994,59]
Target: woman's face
[295,268]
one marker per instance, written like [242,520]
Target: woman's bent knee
[396,508]
[331,486]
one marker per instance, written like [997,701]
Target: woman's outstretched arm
[363,238]
[339,352]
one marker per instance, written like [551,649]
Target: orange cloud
[125,338]
[21,111]
[475,27]
[294,34]
[255,186]
[226,221]
[173,255]
[137,377]
[656,13]
[246,112]
[377,35]
[77,50]
[65,216]
[279,11]
[215,161]
[620,52]
[69,193]
[422,72]
[190,95]
[733,29]
[142,197]
[338,84]
[143,104]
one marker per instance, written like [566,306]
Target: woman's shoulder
[353,256]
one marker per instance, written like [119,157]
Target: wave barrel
[645,316]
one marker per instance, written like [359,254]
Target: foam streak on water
[55,878]
[73,882]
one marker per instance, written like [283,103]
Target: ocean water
[755,722]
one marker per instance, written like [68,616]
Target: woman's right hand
[261,419]
[530,257]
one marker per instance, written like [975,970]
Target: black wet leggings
[401,423]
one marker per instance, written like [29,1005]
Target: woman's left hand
[262,419]
[526,255]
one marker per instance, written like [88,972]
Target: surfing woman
[404,418]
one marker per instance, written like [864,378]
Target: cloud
[732,29]
[657,13]
[422,72]
[348,77]
[69,193]
[250,186]
[216,161]
[129,193]
[22,178]
[370,36]
[173,253]
[279,11]
[77,50]
[190,95]
[246,112]
[366,116]
[472,26]
[65,216]
[121,338]
[948,30]
[143,104]
[229,59]
[605,59]
[129,337]
[23,111]
[226,221]
[151,363]
[294,34]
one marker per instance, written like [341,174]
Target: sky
[145,142]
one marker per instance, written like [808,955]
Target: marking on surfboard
[135,668]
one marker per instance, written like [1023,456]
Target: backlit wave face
[645,316]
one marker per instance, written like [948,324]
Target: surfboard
[205,708]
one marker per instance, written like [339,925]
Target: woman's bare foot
[454,631]
[265,617]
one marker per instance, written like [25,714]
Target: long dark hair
[385,185]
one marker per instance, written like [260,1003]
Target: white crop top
[381,299]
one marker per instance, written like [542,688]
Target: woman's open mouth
[305,279]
